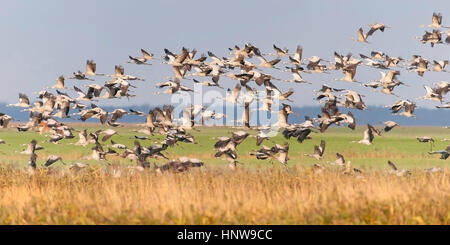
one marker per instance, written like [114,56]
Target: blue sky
[44,39]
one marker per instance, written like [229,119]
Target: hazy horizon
[375,115]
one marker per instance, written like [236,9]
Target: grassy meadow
[399,145]
[258,192]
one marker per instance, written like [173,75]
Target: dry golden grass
[271,195]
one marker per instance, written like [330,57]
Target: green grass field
[399,146]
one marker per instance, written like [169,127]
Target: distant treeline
[374,115]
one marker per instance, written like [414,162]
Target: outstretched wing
[392,165]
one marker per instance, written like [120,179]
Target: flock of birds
[44,112]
